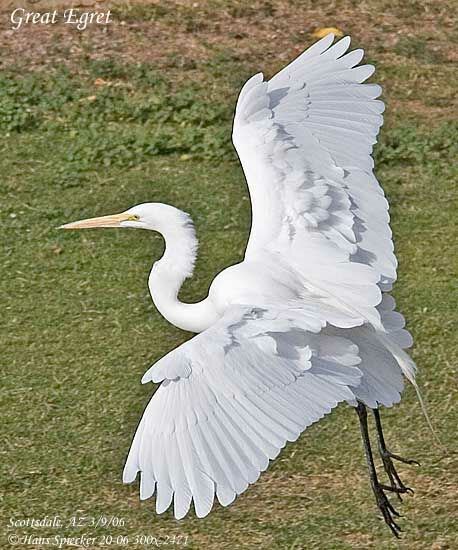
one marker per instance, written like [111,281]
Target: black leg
[387,458]
[384,505]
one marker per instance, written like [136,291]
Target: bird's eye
[134,217]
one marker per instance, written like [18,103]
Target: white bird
[305,321]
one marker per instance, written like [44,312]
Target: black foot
[396,484]
[388,511]
[386,508]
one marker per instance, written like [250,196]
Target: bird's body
[252,281]
[305,321]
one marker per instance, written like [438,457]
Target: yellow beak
[104,221]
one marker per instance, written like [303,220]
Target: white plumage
[231,398]
[305,321]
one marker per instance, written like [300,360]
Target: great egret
[305,321]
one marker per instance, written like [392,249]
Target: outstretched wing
[305,139]
[230,399]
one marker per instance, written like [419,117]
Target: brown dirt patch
[178,37]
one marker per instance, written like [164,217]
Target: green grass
[79,328]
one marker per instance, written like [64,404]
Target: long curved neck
[168,274]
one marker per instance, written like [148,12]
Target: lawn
[94,122]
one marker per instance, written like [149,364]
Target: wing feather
[248,390]
[307,159]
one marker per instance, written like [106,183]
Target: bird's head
[150,215]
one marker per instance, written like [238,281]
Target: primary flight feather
[305,321]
